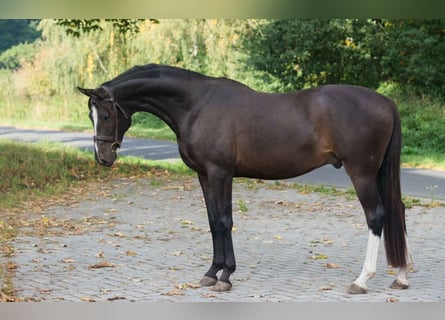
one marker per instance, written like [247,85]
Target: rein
[116,143]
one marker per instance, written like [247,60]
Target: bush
[423,120]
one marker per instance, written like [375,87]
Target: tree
[368,52]
[414,54]
[16,31]
[76,27]
[313,52]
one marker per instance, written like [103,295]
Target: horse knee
[224,224]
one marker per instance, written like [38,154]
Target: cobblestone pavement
[135,240]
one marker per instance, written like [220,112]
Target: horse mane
[152,70]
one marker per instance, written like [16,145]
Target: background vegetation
[401,58]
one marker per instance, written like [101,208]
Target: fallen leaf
[88,299]
[392,299]
[208,295]
[283,203]
[11,266]
[390,271]
[323,241]
[332,266]
[175,292]
[103,264]
[116,298]
[131,253]
[181,286]
[325,288]
[327,241]
[68,260]
[5,298]
[319,256]
[45,290]
[175,268]
[177,253]
[193,285]
[119,234]
[278,237]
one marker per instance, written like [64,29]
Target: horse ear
[98,93]
[87,92]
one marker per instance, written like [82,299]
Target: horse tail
[388,180]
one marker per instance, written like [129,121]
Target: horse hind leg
[368,195]
[401,281]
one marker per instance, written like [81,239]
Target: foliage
[76,27]
[414,55]
[18,56]
[16,31]
[423,126]
[304,53]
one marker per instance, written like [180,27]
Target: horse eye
[106,117]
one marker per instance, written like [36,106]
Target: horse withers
[224,130]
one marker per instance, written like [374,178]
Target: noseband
[116,143]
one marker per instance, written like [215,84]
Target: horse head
[110,122]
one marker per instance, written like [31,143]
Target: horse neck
[169,99]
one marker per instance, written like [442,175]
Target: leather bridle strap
[115,106]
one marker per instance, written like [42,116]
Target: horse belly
[281,163]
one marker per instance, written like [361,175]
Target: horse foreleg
[217,190]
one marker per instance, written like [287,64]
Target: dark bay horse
[225,129]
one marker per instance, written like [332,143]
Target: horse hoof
[208,281]
[355,289]
[221,286]
[398,285]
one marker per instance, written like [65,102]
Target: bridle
[116,143]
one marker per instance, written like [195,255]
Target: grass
[431,160]
[34,170]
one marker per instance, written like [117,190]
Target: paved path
[133,240]
[415,182]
